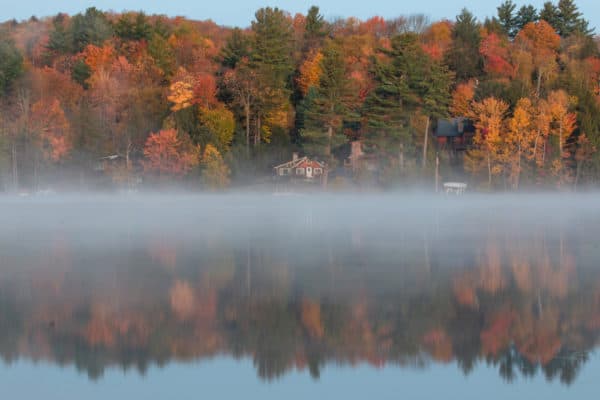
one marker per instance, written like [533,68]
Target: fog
[298,226]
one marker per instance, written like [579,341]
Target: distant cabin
[300,168]
[456,134]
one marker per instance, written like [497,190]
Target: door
[309,172]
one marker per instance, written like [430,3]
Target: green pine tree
[464,57]
[327,107]
[507,18]
[11,62]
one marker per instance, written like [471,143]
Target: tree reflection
[525,306]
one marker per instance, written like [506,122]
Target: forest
[128,100]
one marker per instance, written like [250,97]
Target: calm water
[264,296]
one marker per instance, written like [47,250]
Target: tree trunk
[328,156]
[489,165]
[539,84]
[257,138]
[15,168]
[247,111]
[401,157]
[328,146]
[128,162]
[437,173]
[35,170]
[518,175]
[425,142]
[577,174]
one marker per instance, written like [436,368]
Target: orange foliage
[465,292]
[182,299]
[461,99]
[439,344]
[311,318]
[540,37]
[375,26]
[49,122]
[310,72]
[437,39]
[496,337]
[98,58]
[539,41]
[489,152]
[166,154]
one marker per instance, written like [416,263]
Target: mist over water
[303,282]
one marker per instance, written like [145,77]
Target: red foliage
[205,90]
[496,55]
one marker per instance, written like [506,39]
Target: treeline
[130,96]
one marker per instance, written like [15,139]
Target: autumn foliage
[167,154]
[102,83]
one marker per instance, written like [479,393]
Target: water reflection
[302,284]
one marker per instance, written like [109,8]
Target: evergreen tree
[326,107]
[525,15]
[507,18]
[315,29]
[271,53]
[271,59]
[565,18]
[60,40]
[550,14]
[409,82]
[11,62]
[90,28]
[571,20]
[236,48]
[464,57]
[133,26]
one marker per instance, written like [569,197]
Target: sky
[241,12]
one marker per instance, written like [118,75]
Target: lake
[297,296]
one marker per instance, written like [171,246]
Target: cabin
[454,134]
[107,163]
[303,168]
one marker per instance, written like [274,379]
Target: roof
[111,157]
[294,163]
[453,127]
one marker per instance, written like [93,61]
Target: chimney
[294,156]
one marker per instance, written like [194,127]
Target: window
[284,171]
[318,171]
[299,171]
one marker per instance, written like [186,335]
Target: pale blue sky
[240,12]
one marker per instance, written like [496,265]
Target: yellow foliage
[220,122]
[180,94]
[215,173]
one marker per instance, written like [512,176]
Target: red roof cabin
[301,168]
